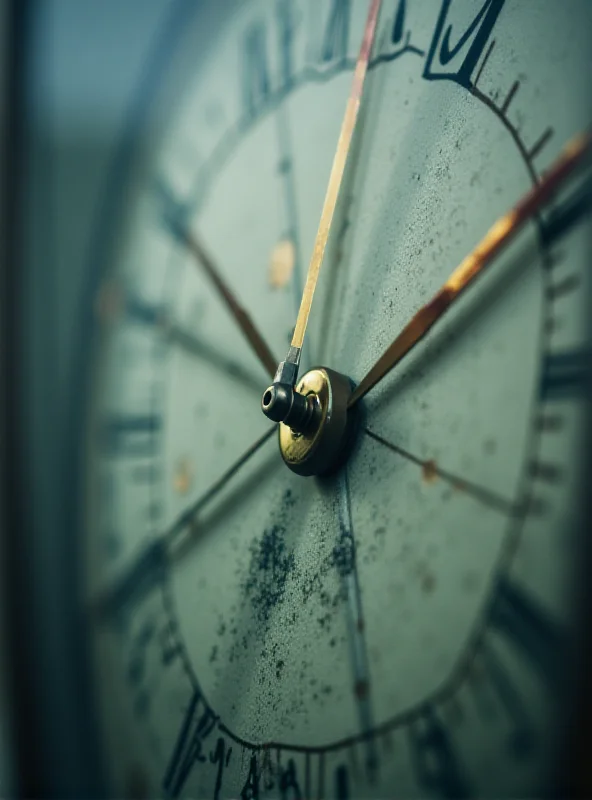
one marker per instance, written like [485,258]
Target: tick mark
[549,422]
[545,472]
[568,284]
[281,263]
[510,96]
[538,146]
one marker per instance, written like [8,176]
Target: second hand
[280,402]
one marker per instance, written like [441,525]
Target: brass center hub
[325,446]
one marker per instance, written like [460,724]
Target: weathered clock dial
[401,623]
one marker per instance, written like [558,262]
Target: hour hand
[176,226]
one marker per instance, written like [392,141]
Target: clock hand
[431,470]
[242,318]
[173,219]
[203,349]
[281,403]
[502,232]
[149,565]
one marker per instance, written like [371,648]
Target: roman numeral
[399,24]
[251,788]
[434,758]
[286,27]
[198,724]
[136,670]
[457,61]
[131,435]
[289,787]
[342,783]
[523,737]
[565,375]
[519,618]
[255,69]
[335,40]
[221,757]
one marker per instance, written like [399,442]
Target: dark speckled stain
[344,554]
[270,565]
[289,499]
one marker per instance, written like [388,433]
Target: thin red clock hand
[242,318]
[502,232]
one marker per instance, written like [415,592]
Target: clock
[326,519]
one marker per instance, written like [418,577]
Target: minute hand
[502,232]
[347,131]
[280,402]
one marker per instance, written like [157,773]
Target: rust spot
[429,471]
[361,690]
[281,263]
[183,476]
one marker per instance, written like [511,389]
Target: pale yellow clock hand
[280,401]
[335,180]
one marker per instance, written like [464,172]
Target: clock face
[403,625]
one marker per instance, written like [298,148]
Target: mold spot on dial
[269,567]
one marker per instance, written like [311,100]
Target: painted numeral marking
[289,787]
[435,762]
[335,40]
[531,631]
[255,71]
[198,724]
[341,783]
[221,757]
[522,740]
[251,788]
[398,30]
[132,435]
[456,62]
[286,28]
